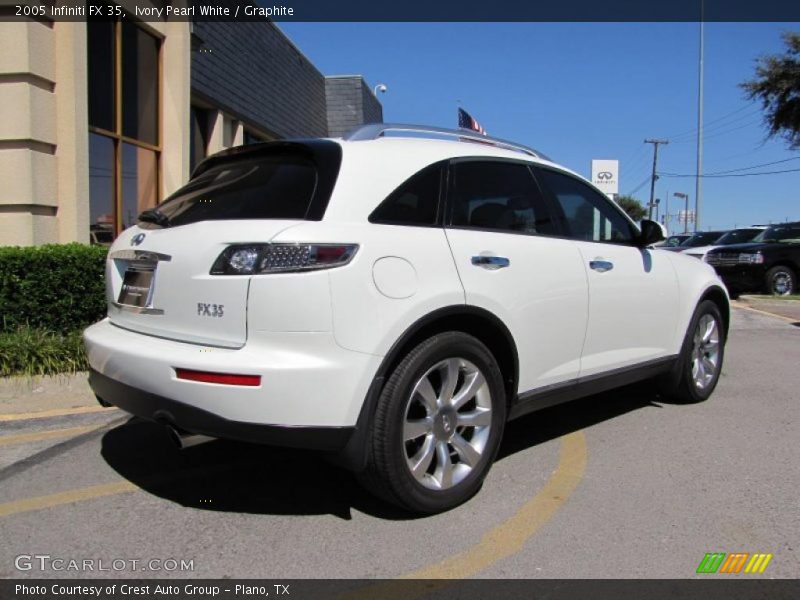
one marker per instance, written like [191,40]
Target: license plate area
[137,286]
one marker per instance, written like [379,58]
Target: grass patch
[31,352]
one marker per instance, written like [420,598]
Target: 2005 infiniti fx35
[393,298]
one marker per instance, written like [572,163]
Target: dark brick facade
[350,103]
[252,71]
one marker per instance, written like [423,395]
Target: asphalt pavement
[618,485]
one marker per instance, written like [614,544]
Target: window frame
[116,136]
[449,202]
[561,217]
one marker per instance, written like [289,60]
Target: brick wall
[253,72]
[350,103]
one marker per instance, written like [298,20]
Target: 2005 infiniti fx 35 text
[393,298]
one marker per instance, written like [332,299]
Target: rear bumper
[195,420]
[307,380]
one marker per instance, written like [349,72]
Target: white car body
[322,340]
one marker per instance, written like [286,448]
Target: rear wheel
[437,425]
[698,367]
[780,281]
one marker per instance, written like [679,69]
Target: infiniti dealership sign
[605,175]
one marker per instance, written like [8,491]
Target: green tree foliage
[633,207]
[777,87]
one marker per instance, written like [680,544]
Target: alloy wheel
[448,419]
[705,351]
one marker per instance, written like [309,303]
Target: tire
[421,419]
[693,379]
[780,281]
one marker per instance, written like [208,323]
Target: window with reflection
[124,145]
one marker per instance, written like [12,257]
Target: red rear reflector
[222,378]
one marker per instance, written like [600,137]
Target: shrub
[58,287]
[33,352]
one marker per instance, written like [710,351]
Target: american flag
[466,121]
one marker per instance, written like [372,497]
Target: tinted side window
[585,213]
[415,202]
[498,195]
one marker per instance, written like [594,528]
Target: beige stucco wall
[44,139]
[28,165]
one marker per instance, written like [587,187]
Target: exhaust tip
[183,440]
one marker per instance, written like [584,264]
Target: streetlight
[685,210]
[381,87]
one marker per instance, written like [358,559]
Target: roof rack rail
[373,131]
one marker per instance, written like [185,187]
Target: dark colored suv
[770,263]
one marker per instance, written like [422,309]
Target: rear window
[267,187]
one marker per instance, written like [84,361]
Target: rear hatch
[158,275]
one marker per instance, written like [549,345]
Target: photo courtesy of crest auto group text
[424,301]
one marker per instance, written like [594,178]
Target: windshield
[789,232]
[675,240]
[706,238]
[738,236]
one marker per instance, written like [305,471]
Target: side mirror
[652,232]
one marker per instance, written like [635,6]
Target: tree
[632,206]
[777,87]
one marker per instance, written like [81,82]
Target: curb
[43,396]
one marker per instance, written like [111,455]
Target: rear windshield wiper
[153,215]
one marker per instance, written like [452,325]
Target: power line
[640,186]
[694,131]
[733,175]
[775,162]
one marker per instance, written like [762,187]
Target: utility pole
[654,176]
[698,186]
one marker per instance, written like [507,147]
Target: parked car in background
[674,240]
[701,238]
[735,236]
[394,301]
[770,263]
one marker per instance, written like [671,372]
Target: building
[102,120]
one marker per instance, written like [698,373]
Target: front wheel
[698,367]
[780,281]
[437,426]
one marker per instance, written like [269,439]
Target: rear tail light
[220,378]
[254,259]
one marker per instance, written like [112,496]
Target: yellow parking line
[68,497]
[509,537]
[764,312]
[56,412]
[503,541]
[44,435]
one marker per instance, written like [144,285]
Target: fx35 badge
[210,310]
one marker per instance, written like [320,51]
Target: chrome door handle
[490,262]
[601,266]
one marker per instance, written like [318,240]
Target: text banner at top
[407,11]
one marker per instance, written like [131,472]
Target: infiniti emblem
[137,239]
[605,175]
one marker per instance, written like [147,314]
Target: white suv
[394,300]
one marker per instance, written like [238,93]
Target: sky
[583,91]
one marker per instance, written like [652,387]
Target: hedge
[57,287]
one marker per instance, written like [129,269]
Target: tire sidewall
[686,386]
[773,273]
[396,395]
